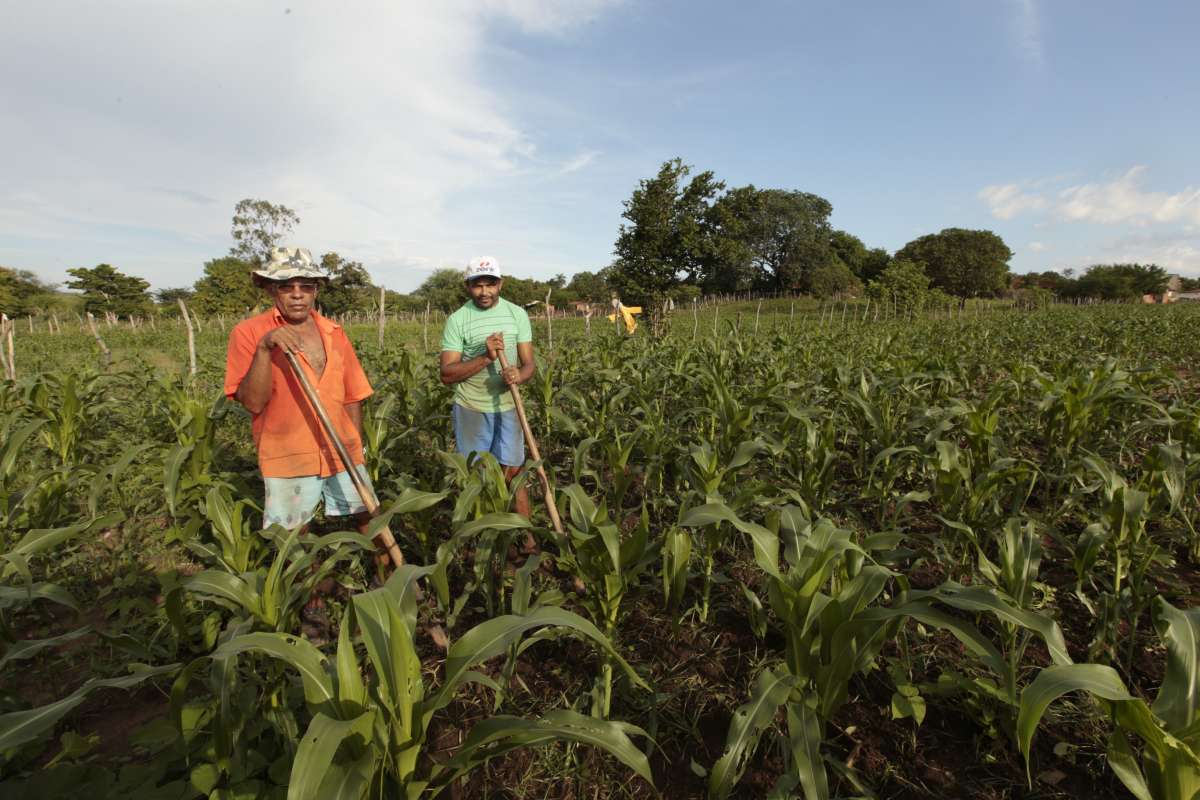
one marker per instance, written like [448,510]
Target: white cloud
[1118,201]
[1038,247]
[1007,200]
[1124,201]
[368,119]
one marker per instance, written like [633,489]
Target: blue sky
[412,136]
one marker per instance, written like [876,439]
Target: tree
[257,227]
[349,287]
[867,265]
[169,297]
[664,237]
[903,284]
[1055,282]
[965,263]
[590,286]
[22,292]
[766,239]
[107,289]
[877,261]
[849,250]
[226,288]
[1119,281]
[833,279]
[443,290]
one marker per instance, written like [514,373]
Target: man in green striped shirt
[485,417]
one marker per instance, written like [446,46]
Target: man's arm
[518,375]
[354,412]
[455,370]
[254,392]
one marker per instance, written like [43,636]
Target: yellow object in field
[627,313]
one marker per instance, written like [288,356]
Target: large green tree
[833,279]
[443,290]
[259,225]
[22,292]
[226,288]
[663,236]
[866,264]
[169,297]
[903,285]
[766,239]
[590,286]
[349,287]
[965,263]
[1119,281]
[107,289]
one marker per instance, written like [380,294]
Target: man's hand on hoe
[285,338]
[495,345]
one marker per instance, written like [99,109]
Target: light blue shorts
[495,432]
[291,502]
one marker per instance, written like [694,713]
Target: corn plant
[1119,535]
[483,514]
[718,523]
[611,565]
[17,432]
[272,597]
[806,456]
[825,646]
[1169,728]
[18,728]
[367,737]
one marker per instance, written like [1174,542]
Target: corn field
[821,556]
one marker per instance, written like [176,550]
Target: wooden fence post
[6,350]
[191,338]
[425,327]
[382,297]
[103,347]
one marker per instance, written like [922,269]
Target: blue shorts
[291,502]
[495,432]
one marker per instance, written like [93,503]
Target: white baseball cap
[482,267]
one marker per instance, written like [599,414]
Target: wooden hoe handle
[551,506]
[368,497]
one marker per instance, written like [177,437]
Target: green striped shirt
[466,332]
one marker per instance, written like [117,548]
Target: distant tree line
[693,235]
[684,235]
[1104,282]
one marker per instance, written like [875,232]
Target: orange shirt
[289,437]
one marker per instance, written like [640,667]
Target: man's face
[295,298]
[485,291]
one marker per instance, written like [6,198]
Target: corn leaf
[1179,695]
[804,738]
[317,748]
[1052,683]
[749,721]
[19,727]
[500,734]
[294,651]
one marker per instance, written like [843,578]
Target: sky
[414,135]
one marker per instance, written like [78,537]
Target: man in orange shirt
[299,466]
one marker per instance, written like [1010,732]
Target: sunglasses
[307,287]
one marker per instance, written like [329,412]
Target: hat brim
[290,274]
[474,278]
